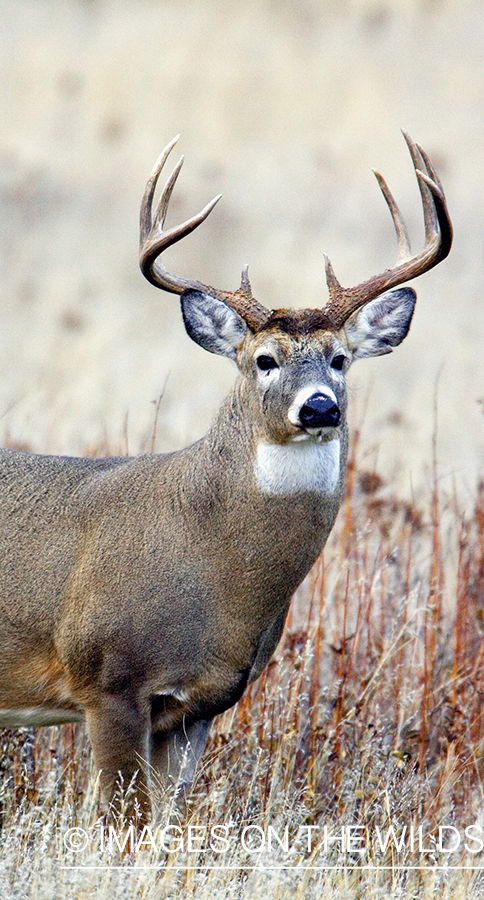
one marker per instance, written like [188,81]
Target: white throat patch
[298,467]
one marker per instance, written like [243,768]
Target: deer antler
[438,241]
[153,240]
[342,301]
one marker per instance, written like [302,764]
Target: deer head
[269,345]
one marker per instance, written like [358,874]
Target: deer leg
[174,756]
[118,731]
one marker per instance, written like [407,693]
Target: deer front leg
[118,727]
[174,756]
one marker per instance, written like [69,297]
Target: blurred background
[283,107]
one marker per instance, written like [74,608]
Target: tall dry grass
[370,715]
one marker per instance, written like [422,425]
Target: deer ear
[381,324]
[211,323]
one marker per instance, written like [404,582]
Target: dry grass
[370,715]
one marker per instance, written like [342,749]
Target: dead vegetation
[368,719]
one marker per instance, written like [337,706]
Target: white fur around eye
[267,376]
[298,467]
[270,376]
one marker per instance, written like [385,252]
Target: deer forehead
[294,335]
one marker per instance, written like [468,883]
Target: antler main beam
[438,241]
[153,240]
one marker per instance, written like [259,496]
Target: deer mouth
[315,435]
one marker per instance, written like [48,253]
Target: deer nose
[319,411]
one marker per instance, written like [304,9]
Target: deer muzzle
[319,411]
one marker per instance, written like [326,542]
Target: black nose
[319,411]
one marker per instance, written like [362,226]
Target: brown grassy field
[369,718]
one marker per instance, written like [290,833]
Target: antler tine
[403,240]
[430,168]
[147,201]
[160,215]
[434,184]
[438,241]
[418,159]
[438,227]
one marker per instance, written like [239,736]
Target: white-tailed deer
[143,594]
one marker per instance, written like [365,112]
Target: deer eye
[265,363]
[338,362]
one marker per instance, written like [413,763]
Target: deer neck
[272,516]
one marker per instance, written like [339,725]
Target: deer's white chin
[315,435]
[298,467]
